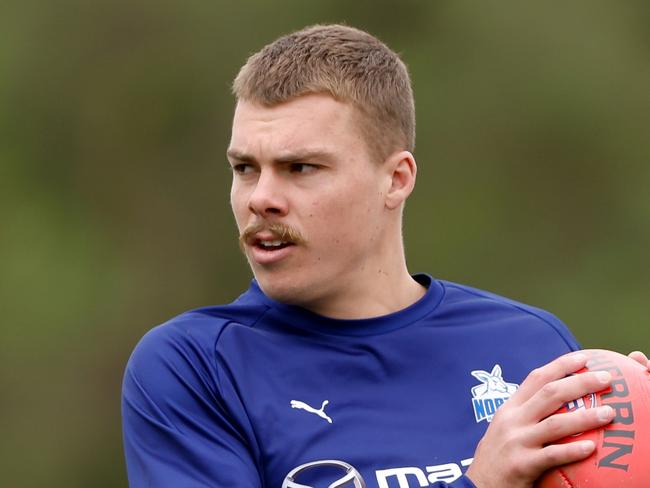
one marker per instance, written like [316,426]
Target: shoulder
[470,301]
[182,420]
[189,331]
[185,346]
[463,294]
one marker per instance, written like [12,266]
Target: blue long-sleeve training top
[262,394]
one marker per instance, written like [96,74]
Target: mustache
[282,232]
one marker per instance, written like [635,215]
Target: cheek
[238,206]
[344,217]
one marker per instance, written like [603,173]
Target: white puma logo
[321,413]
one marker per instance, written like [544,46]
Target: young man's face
[307,199]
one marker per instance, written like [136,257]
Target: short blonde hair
[348,64]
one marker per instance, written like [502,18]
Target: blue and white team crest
[491,393]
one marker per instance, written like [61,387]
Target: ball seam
[565,479]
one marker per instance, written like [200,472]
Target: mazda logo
[350,478]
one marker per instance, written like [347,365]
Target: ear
[402,170]
[496,371]
[481,375]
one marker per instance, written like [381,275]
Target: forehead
[309,120]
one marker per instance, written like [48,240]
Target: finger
[556,369]
[561,425]
[550,397]
[559,454]
[641,358]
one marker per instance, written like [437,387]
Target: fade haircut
[348,64]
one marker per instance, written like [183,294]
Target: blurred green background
[533,151]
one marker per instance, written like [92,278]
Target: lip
[261,236]
[263,256]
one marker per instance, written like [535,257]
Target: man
[337,367]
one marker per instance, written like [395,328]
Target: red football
[622,456]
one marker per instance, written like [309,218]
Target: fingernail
[587,446]
[605,412]
[603,376]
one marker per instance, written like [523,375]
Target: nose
[268,196]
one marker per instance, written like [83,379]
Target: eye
[243,168]
[302,168]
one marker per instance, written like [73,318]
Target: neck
[374,290]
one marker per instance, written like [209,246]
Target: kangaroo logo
[491,393]
[303,406]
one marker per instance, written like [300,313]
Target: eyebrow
[307,155]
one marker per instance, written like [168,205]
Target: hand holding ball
[622,455]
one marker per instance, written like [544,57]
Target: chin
[288,291]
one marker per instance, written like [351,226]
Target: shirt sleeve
[178,431]
[462,482]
